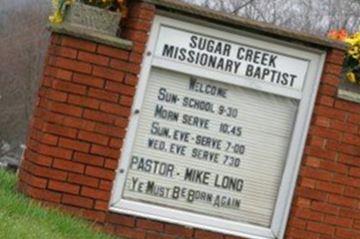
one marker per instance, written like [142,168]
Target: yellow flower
[56,18]
[354,39]
[350,76]
[354,51]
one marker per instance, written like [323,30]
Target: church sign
[217,129]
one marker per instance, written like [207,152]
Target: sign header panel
[233,58]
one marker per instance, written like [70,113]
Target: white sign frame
[306,99]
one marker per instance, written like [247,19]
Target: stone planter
[92,19]
[93,24]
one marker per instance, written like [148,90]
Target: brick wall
[79,124]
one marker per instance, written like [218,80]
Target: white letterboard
[217,129]
[210,148]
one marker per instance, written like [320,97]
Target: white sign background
[292,122]
[266,121]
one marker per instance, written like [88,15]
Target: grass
[21,217]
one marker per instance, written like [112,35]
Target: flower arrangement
[61,5]
[352,59]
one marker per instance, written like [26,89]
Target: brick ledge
[91,35]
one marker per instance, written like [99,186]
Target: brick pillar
[327,200]
[80,119]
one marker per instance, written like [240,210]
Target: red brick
[77,201]
[330,79]
[327,90]
[63,187]
[121,219]
[338,221]
[201,234]
[329,187]
[95,193]
[345,180]
[312,194]
[88,80]
[50,151]
[67,165]
[44,195]
[100,173]
[177,230]
[325,132]
[62,108]
[347,233]
[93,215]
[335,56]
[63,51]
[325,208]
[69,64]
[351,139]
[33,180]
[110,130]
[325,100]
[120,88]
[58,73]
[55,95]
[69,87]
[129,232]
[126,101]
[350,213]
[103,95]
[131,79]
[141,13]
[84,101]
[138,24]
[150,225]
[88,159]
[342,201]
[354,172]
[125,66]
[38,158]
[342,126]
[93,137]
[316,174]
[44,172]
[105,151]
[333,69]
[105,185]
[113,52]
[349,160]
[74,144]
[320,153]
[302,234]
[320,228]
[79,44]
[109,74]
[99,116]
[43,137]
[347,106]
[93,58]
[60,130]
[116,143]
[115,109]
[350,149]
[354,118]
[352,192]
[101,205]
[321,121]
[334,167]
[83,180]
